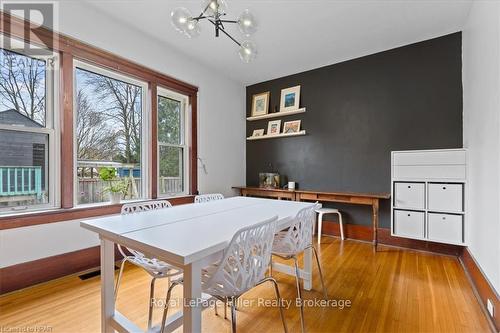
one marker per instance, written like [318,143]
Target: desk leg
[375,222]
[107,284]
[192,292]
[308,269]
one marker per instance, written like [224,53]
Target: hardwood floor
[393,290]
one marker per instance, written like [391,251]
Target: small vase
[115,197]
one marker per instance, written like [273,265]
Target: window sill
[24,219]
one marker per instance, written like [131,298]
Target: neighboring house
[21,149]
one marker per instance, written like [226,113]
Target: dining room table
[190,237]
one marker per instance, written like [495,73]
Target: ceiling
[296,35]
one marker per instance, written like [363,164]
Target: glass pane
[23,169]
[22,90]
[108,137]
[169,120]
[171,179]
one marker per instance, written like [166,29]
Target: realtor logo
[39,18]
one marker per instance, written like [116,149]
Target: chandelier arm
[225,33]
[229,21]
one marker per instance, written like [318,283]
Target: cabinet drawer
[445,197]
[446,228]
[409,223]
[409,195]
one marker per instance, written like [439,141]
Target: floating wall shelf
[282,135]
[277,114]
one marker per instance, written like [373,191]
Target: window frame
[145,125]
[69,50]
[185,141]
[51,129]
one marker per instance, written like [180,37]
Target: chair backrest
[299,235]
[137,207]
[245,260]
[208,197]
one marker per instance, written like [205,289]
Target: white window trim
[185,141]
[52,129]
[145,135]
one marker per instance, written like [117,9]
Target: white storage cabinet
[429,195]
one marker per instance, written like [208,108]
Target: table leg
[375,222]
[107,284]
[308,269]
[192,297]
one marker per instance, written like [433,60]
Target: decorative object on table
[291,186]
[258,132]
[291,126]
[273,127]
[117,188]
[260,104]
[269,180]
[290,99]
[214,11]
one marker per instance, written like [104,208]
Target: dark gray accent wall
[360,110]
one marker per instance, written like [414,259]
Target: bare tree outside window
[108,133]
[22,85]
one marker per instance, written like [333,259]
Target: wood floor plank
[392,290]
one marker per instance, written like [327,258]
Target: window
[108,134]
[28,140]
[172,145]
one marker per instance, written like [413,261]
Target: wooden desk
[369,199]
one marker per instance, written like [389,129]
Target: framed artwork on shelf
[260,104]
[290,99]
[258,132]
[291,126]
[274,127]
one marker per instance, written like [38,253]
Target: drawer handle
[409,186]
[444,187]
[444,217]
[409,215]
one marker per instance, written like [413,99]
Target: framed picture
[260,104]
[273,127]
[290,98]
[258,132]
[291,126]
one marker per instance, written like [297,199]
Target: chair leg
[233,315]
[278,297]
[215,308]
[119,279]
[271,268]
[320,272]
[151,296]
[225,310]
[165,310]
[320,227]
[299,294]
[341,226]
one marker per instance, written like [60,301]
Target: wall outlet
[490,307]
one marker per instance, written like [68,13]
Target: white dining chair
[201,198]
[321,212]
[157,269]
[288,244]
[242,267]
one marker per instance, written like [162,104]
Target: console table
[368,199]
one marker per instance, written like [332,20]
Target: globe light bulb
[212,7]
[193,28]
[247,23]
[180,18]
[247,51]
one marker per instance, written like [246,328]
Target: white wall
[481,84]
[221,125]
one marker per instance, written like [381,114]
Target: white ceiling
[296,35]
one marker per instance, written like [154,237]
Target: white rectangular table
[190,237]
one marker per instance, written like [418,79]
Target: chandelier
[214,12]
